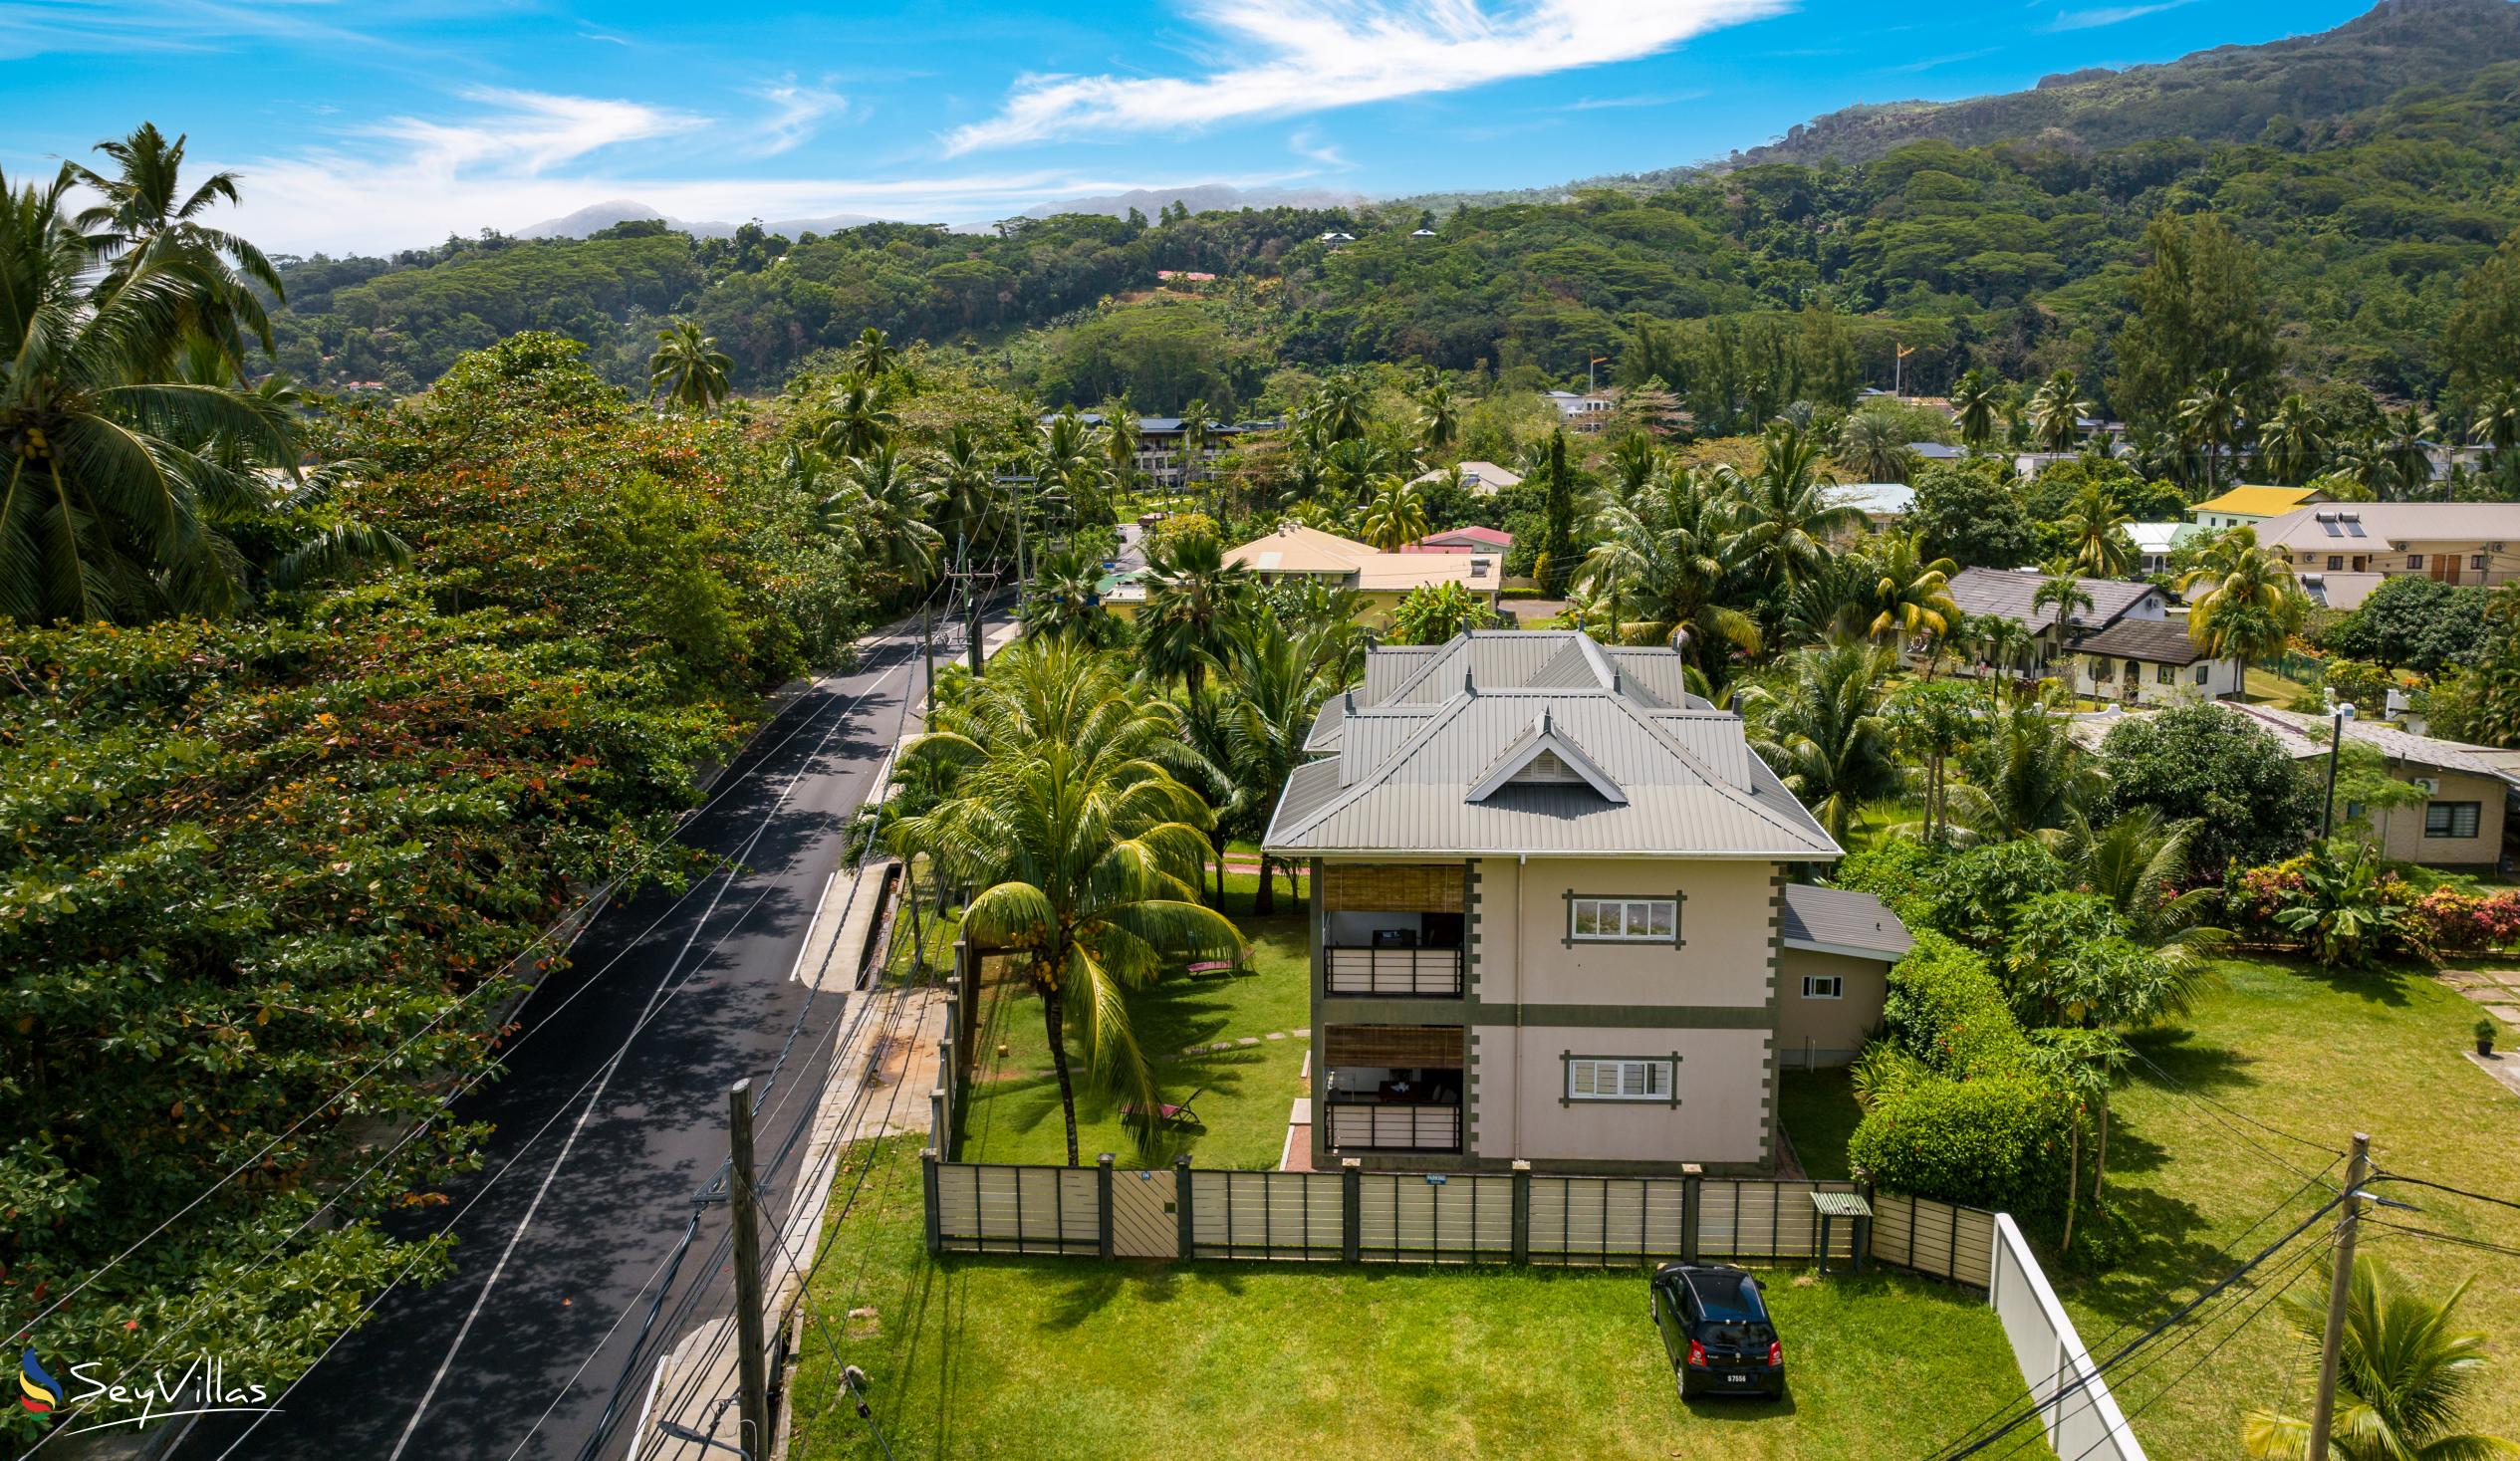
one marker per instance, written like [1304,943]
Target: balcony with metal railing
[1390,971]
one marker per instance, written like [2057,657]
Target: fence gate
[1143,1221]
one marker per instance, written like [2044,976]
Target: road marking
[813,923]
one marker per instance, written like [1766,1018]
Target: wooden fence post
[927,1177]
[1185,1241]
[1862,1224]
[1102,1205]
[1692,1207]
[1522,1211]
[1350,1210]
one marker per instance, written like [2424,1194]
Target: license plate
[1736,1379]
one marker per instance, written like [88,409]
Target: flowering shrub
[2452,921]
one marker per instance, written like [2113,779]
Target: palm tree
[115,475]
[1395,517]
[1676,556]
[688,366]
[2066,594]
[1974,401]
[1872,444]
[2025,776]
[1341,409]
[1440,419]
[861,416]
[2293,438]
[2404,1370]
[2497,423]
[2006,642]
[888,505]
[1935,722]
[2095,529]
[1786,506]
[964,481]
[1910,597]
[2138,862]
[2407,448]
[1275,676]
[1192,595]
[2209,419]
[871,353]
[1065,599]
[146,214]
[2056,413]
[2243,601]
[1117,440]
[1824,733]
[1087,852]
[1198,433]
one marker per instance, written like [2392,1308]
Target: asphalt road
[559,1246]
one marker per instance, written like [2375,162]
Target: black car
[1716,1323]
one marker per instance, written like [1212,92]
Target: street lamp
[2339,712]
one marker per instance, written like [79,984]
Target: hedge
[1946,1008]
[1996,1142]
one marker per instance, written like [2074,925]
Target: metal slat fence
[992,1208]
[1410,1217]
[1266,1215]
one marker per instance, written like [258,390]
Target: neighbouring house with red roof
[1463,540]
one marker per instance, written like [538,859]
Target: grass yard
[1045,1357]
[2316,1056]
[1244,1094]
[1819,1111]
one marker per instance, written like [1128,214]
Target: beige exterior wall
[2502,565]
[1826,1032]
[1727,926]
[1521,1106]
[2401,828]
[1706,1001]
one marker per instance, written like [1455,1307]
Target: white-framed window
[1824,986]
[2452,819]
[1593,1078]
[1639,919]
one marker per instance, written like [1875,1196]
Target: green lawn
[1001,1356]
[1244,1094]
[1820,1114]
[2318,1056]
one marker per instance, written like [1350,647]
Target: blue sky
[371,126]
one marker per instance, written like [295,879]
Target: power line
[2445,1187]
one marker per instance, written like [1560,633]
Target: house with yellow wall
[2249,506]
[1293,551]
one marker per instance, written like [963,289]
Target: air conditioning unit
[2493,548]
[2430,786]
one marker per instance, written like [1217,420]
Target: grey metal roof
[1388,668]
[1843,921]
[2153,640]
[2008,592]
[1520,659]
[1662,672]
[1324,736]
[1692,787]
[2295,730]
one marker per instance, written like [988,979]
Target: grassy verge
[2274,1069]
[1041,1358]
[1819,1111]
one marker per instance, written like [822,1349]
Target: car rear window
[1729,1298]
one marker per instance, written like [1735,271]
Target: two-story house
[1553,916]
[2342,551]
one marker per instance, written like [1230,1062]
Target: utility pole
[926,663]
[2349,1217]
[2339,712]
[753,1365]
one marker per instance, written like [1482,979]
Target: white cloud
[530,132]
[796,112]
[2084,20]
[1284,57]
[1306,143]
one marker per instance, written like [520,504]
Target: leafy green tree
[1192,598]
[1969,514]
[2096,526]
[1087,851]
[2413,622]
[2244,602]
[2056,413]
[1432,614]
[2480,341]
[2293,439]
[1824,732]
[1275,672]
[1975,405]
[2200,306]
[1556,479]
[687,366]
[114,478]
[1787,517]
[1396,515]
[2252,804]
[2211,420]
[1873,444]
[2406,1371]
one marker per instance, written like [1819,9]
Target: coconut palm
[1396,515]
[1875,447]
[2405,1370]
[1440,419]
[1064,600]
[2095,531]
[1788,518]
[688,366]
[1087,851]
[2064,593]
[1117,441]
[1275,674]
[2293,438]
[1933,722]
[2243,601]
[117,468]
[1909,597]
[859,417]
[2024,775]
[871,353]
[1198,433]
[2056,413]
[888,504]
[964,481]
[1675,558]
[2209,419]
[1340,408]
[1824,734]
[1192,595]
[145,212]
[1974,403]
[2496,426]
[2407,446]
[2139,863]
